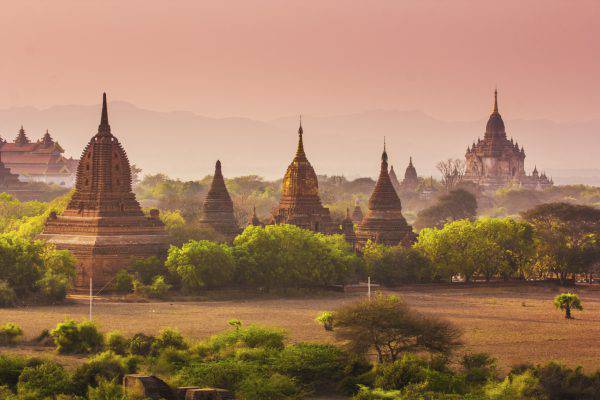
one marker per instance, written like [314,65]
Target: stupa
[300,204]
[383,222]
[217,211]
[103,224]
[347,229]
[411,180]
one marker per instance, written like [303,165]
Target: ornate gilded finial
[104,126]
[300,150]
[496,100]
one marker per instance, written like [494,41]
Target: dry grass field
[516,324]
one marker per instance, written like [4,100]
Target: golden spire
[496,100]
[300,151]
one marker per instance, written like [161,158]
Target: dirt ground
[515,324]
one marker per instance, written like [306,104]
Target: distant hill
[186,145]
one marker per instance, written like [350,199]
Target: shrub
[315,366]
[107,390]
[274,387]
[53,287]
[104,366]
[44,380]
[117,343]
[326,318]
[123,282]
[157,290]
[73,337]
[251,336]
[10,369]
[478,368]
[365,393]
[515,387]
[225,374]
[396,375]
[9,333]
[146,269]
[170,360]
[8,297]
[171,338]
[141,344]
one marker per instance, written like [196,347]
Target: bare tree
[453,172]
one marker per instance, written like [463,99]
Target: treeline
[416,357]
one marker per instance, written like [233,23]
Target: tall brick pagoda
[300,204]
[103,224]
[383,222]
[411,180]
[217,211]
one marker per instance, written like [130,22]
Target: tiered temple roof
[217,211]
[384,223]
[103,224]
[300,204]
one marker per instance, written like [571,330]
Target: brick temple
[103,224]
[383,222]
[300,204]
[217,210]
[411,180]
[497,162]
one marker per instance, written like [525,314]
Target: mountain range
[186,145]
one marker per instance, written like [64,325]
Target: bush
[8,297]
[146,269]
[9,333]
[123,282]
[516,387]
[366,393]
[157,290]
[73,337]
[53,287]
[478,368]
[105,366]
[141,344]
[44,380]
[117,343]
[251,336]
[225,374]
[409,369]
[171,338]
[170,361]
[274,387]
[319,367]
[10,369]
[107,390]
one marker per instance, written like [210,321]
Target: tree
[455,205]
[567,238]
[387,325]
[20,263]
[568,302]
[392,266]
[201,264]
[453,171]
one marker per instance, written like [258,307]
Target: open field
[514,323]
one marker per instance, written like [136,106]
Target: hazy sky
[265,59]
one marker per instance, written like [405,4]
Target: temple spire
[300,150]
[104,127]
[496,100]
[384,156]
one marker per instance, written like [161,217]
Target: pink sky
[268,58]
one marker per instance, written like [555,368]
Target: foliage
[457,204]
[392,266]
[102,367]
[157,290]
[107,390]
[567,238]
[388,326]
[53,287]
[8,296]
[43,380]
[201,265]
[147,269]
[171,338]
[10,333]
[287,256]
[123,282]
[10,368]
[78,338]
[141,344]
[59,262]
[478,368]
[20,263]
[273,387]
[326,319]
[515,387]
[117,343]
[568,302]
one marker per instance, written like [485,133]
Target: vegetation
[568,302]
[457,204]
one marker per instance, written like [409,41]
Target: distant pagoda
[411,180]
[300,204]
[254,220]
[347,229]
[357,213]
[217,211]
[394,179]
[103,224]
[384,223]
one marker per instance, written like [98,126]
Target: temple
[40,161]
[357,213]
[8,180]
[383,222]
[347,229]
[497,162]
[411,180]
[103,224]
[217,211]
[254,220]
[300,204]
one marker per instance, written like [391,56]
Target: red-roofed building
[40,161]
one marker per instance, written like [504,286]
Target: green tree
[387,325]
[568,302]
[20,262]
[201,264]
[392,266]
[457,204]
[567,238]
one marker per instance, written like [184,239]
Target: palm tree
[568,301]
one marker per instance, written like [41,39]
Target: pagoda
[217,210]
[496,161]
[411,180]
[8,180]
[384,223]
[300,204]
[357,213]
[103,224]
[347,229]
[254,220]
